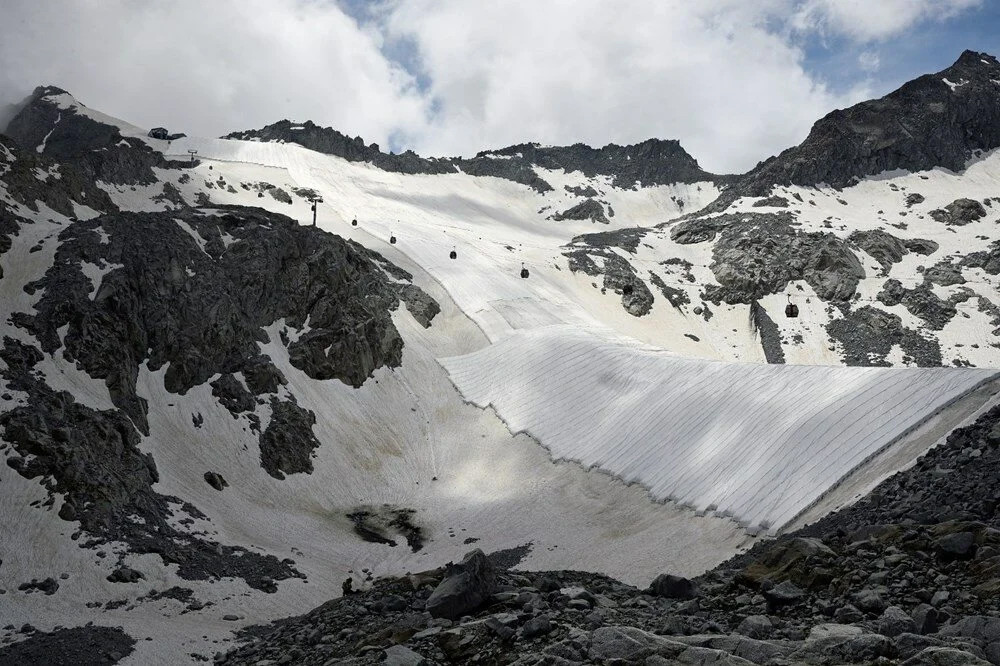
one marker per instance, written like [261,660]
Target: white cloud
[710,74]
[209,67]
[874,20]
[725,77]
[869,61]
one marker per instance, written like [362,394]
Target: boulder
[125,575]
[957,546]
[786,560]
[895,621]
[755,626]
[400,655]
[783,594]
[944,656]
[465,587]
[215,480]
[673,587]
[925,619]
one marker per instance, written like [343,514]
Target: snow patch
[41,147]
[193,233]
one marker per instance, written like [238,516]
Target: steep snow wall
[759,443]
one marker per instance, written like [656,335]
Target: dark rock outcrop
[53,123]
[287,444]
[63,187]
[244,269]
[770,336]
[97,645]
[92,460]
[920,301]
[959,212]
[465,587]
[885,248]
[673,587]
[589,209]
[759,253]
[868,334]
[652,162]
[936,120]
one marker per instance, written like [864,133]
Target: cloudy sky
[734,81]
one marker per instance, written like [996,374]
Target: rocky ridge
[652,162]
[936,120]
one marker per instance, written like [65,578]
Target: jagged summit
[651,162]
[935,120]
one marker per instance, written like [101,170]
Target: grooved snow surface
[758,442]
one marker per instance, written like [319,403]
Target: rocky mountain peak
[651,162]
[935,120]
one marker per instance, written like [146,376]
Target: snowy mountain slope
[293,400]
[493,225]
[889,268]
[400,453]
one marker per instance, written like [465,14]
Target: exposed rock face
[588,209]
[944,274]
[673,587]
[770,336]
[63,188]
[244,268]
[92,459]
[288,442]
[885,248]
[921,302]
[988,260]
[867,336]
[936,120]
[52,123]
[587,192]
[652,162]
[619,276]
[960,212]
[760,253]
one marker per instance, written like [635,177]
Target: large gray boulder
[944,656]
[673,587]
[466,586]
